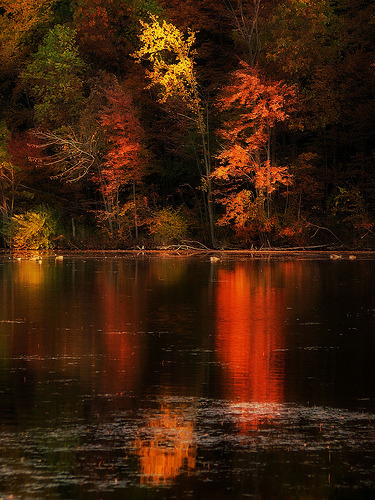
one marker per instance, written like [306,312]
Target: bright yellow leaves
[171,58]
[172,63]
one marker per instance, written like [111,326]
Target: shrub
[168,226]
[32,230]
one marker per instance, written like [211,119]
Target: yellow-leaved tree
[171,59]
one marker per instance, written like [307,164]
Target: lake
[177,377]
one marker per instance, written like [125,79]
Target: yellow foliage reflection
[249,336]
[30,272]
[169,449]
[169,272]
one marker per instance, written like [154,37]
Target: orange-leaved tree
[125,160]
[171,59]
[248,173]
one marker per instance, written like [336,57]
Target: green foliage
[144,8]
[55,76]
[346,203]
[348,216]
[168,226]
[33,230]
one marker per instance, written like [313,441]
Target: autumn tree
[248,174]
[18,18]
[124,163]
[171,61]
[104,147]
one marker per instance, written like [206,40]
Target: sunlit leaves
[254,107]
[125,161]
[33,230]
[172,71]
[246,175]
[171,58]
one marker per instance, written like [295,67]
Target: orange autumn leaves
[250,107]
[170,448]
[253,106]
[124,162]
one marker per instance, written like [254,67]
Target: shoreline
[181,252]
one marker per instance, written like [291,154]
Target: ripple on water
[106,451]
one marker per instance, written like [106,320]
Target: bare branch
[78,153]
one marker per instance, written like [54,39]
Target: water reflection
[172,376]
[119,312]
[167,445]
[250,316]
[170,271]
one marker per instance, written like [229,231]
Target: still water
[174,377]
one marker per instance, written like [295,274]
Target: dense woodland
[224,123]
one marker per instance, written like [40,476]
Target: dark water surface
[170,377]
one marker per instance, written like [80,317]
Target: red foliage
[98,24]
[125,159]
[23,150]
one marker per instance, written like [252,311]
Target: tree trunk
[207,165]
[135,212]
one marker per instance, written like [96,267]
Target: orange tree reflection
[249,337]
[168,448]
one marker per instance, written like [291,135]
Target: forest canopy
[226,123]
